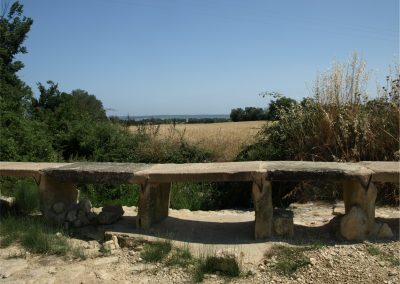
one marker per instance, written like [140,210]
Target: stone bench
[56,183]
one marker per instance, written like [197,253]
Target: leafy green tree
[282,103]
[20,138]
[237,114]
[248,114]
[15,95]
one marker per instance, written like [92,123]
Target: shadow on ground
[225,233]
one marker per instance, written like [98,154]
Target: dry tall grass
[224,140]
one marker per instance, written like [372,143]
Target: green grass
[210,264]
[194,196]
[25,192]
[289,259]
[103,195]
[373,250]
[35,236]
[156,251]
[180,257]
[391,258]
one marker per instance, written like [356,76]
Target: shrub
[102,195]
[22,139]
[339,123]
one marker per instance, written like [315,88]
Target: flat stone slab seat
[57,184]
[109,173]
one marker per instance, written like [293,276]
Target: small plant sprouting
[180,257]
[156,251]
[394,260]
[289,259]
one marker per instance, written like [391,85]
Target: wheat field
[224,139]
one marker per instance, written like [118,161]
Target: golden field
[224,139]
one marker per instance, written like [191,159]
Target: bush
[22,139]
[339,123]
[103,195]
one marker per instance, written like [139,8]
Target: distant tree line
[272,112]
[129,121]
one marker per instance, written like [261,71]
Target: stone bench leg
[262,199]
[359,201]
[153,204]
[56,197]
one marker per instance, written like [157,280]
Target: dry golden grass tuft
[224,139]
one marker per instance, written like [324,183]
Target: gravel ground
[331,261]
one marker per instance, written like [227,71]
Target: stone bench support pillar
[154,201]
[52,192]
[262,199]
[359,201]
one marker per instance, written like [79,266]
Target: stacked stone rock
[81,214]
[76,215]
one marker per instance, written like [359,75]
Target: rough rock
[110,214]
[71,215]
[7,205]
[385,232]
[353,226]
[58,207]
[85,206]
[283,223]
[102,275]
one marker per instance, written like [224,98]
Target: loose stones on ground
[81,214]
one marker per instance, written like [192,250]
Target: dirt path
[332,262]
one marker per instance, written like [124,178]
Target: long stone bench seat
[57,183]
[115,173]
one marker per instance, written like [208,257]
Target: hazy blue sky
[205,56]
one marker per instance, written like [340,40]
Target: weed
[212,264]
[25,192]
[180,257]
[391,258]
[35,236]
[373,250]
[156,251]
[289,259]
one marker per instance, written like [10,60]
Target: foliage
[103,195]
[339,123]
[180,257]
[20,138]
[288,259]
[23,139]
[156,251]
[248,114]
[276,106]
[26,196]
[208,264]
[394,260]
[35,235]
[14,94]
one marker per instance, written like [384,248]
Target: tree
[276,106]
[15,95]
[21,139]
[237,114]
